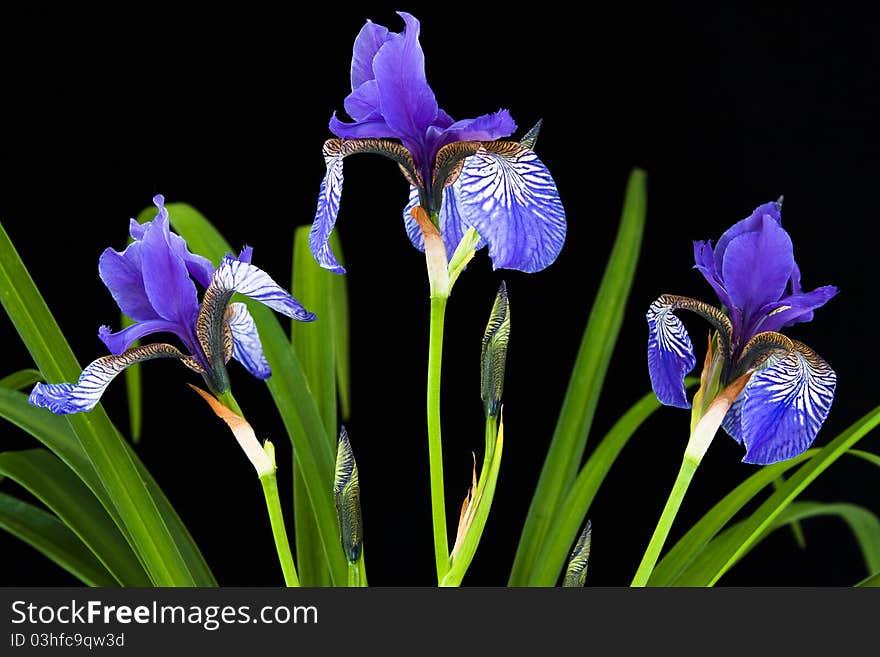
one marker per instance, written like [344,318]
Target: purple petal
[325,216]
[366,45]
[235,276]
[750,224]
[757,266]
[66,398]
[121,340]
[452,227]
[512,201]
[169,288]
[246,346]
[794,309]
[122,273]
[362,104]
[785,406]
[407,102]
[670,355]
[488,127]
[376,129]
[704,259]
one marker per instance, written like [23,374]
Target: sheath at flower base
[789,393]
[457,171]
[153,282]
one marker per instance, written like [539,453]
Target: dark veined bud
[576,573]
[347,491]
[494,356]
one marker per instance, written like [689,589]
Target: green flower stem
[282,545]
[273,505]
[435,446]
[491,437]
[354,574]
[661,531]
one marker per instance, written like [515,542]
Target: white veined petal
[670,353]
[84,395]
[785,405]
[246,346]
[508,195]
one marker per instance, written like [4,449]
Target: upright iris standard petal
[507,194]
[785,405]
[750,224]
[246,346]
[84,395]
[670,354]
[366,45]
[408,103]
[757,266]
[166,280]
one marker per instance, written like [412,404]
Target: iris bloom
[457,171]
[789,393]
[153,282]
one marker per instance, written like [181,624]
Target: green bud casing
[494,356]
[347,491]
[576,573]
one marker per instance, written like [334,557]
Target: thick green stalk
[279,532]
[435,446]
[661,531]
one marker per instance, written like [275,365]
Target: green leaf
[56,486]
[315,347]
[144,525]
[692,543]
[48,535]
[749,531]
[55,433]
[864,525]
[312,449]
[21,379]
[570,516]
[585,385]
[873,580]
[866,456]
[341,328]
[134,392]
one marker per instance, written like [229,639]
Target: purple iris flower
[457,171]
[753,272]
[153,282]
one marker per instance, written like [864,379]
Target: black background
[725,109]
